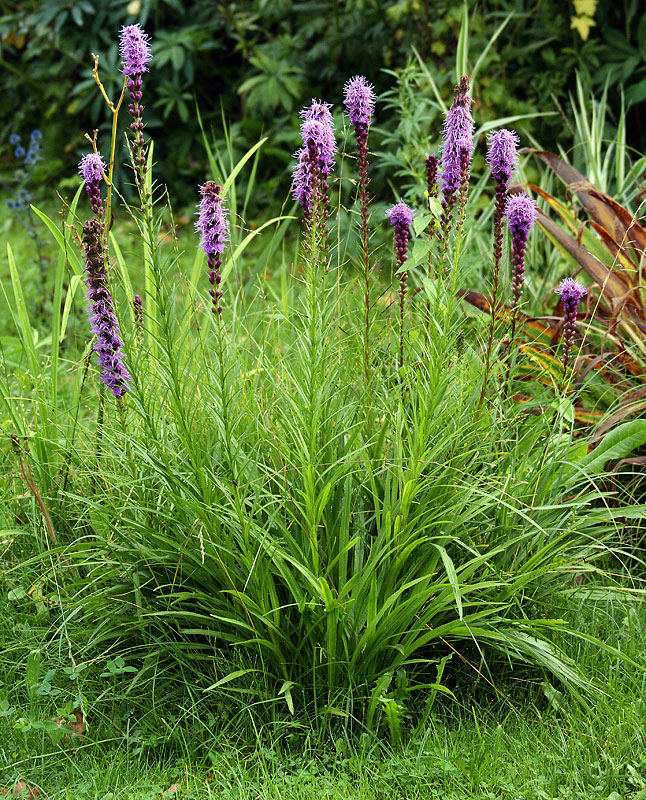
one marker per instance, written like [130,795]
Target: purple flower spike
[502,155]
[213,227]
[90,168]
[103,321]
[314,162]
[521,215]
[401,218]
[212,224]
[359,100]
[134,49]
[458,137]
[571,292]
[135,52]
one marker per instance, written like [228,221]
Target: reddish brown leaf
[608,279]
[77,727]
[22,790]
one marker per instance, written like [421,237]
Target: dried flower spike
[401,218]
[91,167]
[213,227]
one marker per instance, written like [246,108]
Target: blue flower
[37,135]
[14,138]
[19,152]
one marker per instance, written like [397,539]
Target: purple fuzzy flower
[458,137]
[400,216]
[320,135]
[134,49]
[319,111]
[359,100]
[103,321]
[213,227]
[502,155]
[571,293]
[212,224]
[521,215]
[135,52]
[90,168]
[315,160]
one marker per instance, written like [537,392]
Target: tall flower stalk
[502,157]
[520,211]
[134,48]
[401,218]
[213,227]
[571,293]
[457,144]
[104,325]
[314,162]
[359,102]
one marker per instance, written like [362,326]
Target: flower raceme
[213,227]
[520,211]
[91,168]
[457,141]
[315,159]
[571,293]
[104,325]
[134,48]
[401,218]
[502,154]
[359,101]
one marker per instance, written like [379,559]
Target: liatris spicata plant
[401,218]
[213,227]
[103,321]
[359,102]
[520,211]
[134,49]
[571,293]
[91,168]
[314,162]
[502,157]
[456,160]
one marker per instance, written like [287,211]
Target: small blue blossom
[37,135]
[14,138]
[19,152]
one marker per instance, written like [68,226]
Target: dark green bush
[255,61]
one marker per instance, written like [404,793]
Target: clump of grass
[306,542]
